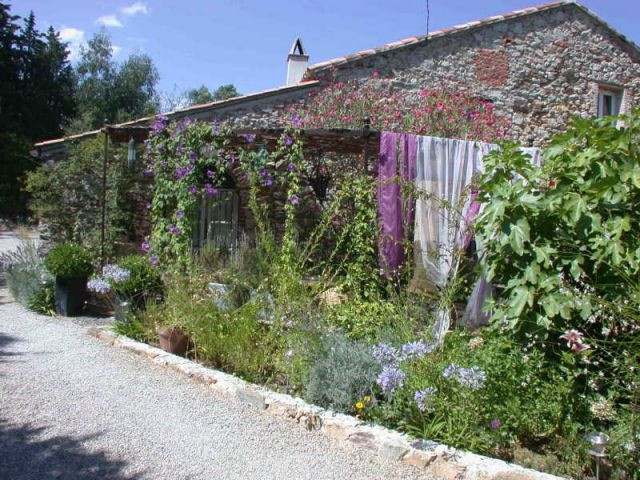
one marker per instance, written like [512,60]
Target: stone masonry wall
[538,69]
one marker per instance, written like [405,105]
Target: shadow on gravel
[5,299]
[4,341]
[25,456]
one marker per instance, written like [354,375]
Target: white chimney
[297,63]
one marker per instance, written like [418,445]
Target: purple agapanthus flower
[294,200]
[472,378]
[417,349]
[192,155]
[174,229]
[190,167]
[268,181]
[390,379]
[179,213]
[495,423]
[148,206]
[423,398]
[193,189]
[250,137]
[145,246]
[153,260]
[291,167]
[233,159]
[147,172]
[115,273]
[386,355]
[288,140]
[211,173]
[263,172]
[98,285]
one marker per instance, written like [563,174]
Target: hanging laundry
[396,169]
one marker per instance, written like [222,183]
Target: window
[217,220]
[609,100]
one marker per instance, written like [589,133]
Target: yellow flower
[359,405]
[367,399]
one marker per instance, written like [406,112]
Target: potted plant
[144,282]
[173,340]
[71,265]
[132,281]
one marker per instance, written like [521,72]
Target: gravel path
[72,407]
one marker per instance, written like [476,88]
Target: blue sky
[245,42]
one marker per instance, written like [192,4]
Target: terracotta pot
[173,340]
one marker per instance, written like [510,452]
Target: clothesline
[441,206]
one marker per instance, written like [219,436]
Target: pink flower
[574,340]
[495,423]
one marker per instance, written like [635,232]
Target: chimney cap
[297,48]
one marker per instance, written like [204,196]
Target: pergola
[364,143]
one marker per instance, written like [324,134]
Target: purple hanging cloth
[397,165]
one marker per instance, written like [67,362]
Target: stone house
[539,66]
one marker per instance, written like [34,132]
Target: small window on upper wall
[609,100]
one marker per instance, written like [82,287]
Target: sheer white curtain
[444,172]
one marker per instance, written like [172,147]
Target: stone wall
[538,69]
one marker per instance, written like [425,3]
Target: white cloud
[137,7]
[115,49]
[109,21]
[75,38]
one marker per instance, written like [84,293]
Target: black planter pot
[70,295]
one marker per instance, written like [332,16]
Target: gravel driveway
[72,407]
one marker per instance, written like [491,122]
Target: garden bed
[442,462]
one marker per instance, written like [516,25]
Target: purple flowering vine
[153,260]
[174,229]
[294,200]
[250,137]
[179,213]
[181,172]
[211,190]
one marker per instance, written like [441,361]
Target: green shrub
[562,232]
[69,260]
[342,372]
[364,319]
[25,273]
[145,280]
[44,300]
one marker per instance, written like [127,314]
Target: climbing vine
[190,159]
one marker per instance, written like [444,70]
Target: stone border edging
[433,458]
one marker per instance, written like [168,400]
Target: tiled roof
[461,28]
[192,109]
